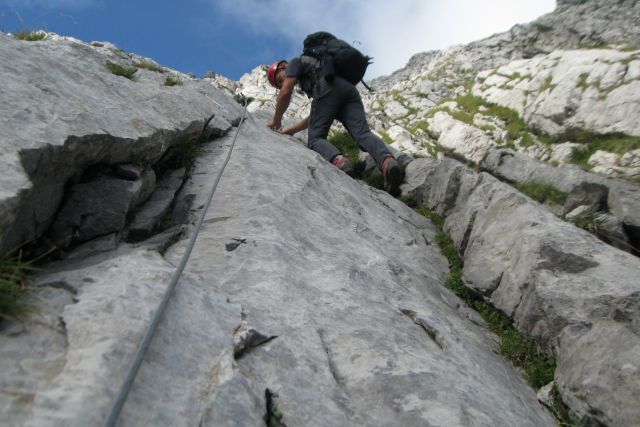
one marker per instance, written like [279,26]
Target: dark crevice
[246,339]
[431,332]
[273,416]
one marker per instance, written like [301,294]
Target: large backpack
[337,57]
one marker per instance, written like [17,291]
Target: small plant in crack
[523,351]
[542,192]
[122,70]
[14,288]
[273,417]
[30,36]
[172,80]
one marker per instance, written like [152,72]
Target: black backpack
[337,58]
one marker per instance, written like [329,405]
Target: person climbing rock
[335,99]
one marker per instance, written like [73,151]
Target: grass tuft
[386,137]
[14,288]
[542,192]
[30,36]
[524,352]
[172,81]
[344,142]
[349,147]
[122,70]
[613,143]
[150,65]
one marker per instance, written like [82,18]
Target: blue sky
[230,37]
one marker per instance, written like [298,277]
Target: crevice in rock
[431,332]
[91,168]
[273,416]
[247,338]
[60,284]
[232,246]
[339,379]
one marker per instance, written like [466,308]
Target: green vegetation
[185,152]
[630,48]
[514,125]
[122,70]
[273,417]
[13,288]
[547,85]
[613,143]
[30,36]
[582,82]
[524,352]
[172,80]
[349,147]
[542,192]
[385,137]
[150,65]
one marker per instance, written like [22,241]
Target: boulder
[462,139]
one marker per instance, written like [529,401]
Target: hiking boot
[343,163]
[392,175]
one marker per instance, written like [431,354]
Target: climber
[338,99]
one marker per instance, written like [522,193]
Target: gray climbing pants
[341,100]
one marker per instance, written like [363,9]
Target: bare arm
[300,126]
[282,103]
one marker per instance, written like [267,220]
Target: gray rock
[610,229]
[341,289]
[579,212]
[624,202]
[461,138]
[95,209]
[545,395]
[79,115]
[622,199]
[591,195]
[558,283]
[149,216]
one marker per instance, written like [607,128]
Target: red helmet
[273,70]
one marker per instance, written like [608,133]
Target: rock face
[595,90]
[311,298]
[304,283]
[583,188]
[104,119]
[580,296]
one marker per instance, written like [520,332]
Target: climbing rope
[120,399]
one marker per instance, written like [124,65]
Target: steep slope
[310,299]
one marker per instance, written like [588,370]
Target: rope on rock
[120,399]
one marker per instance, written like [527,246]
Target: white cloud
[391,34]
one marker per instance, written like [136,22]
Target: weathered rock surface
[148,218]
[565,90]
[622,199]
[331,299]
[98,207]
[559,283]
[464,140]
[62,111]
